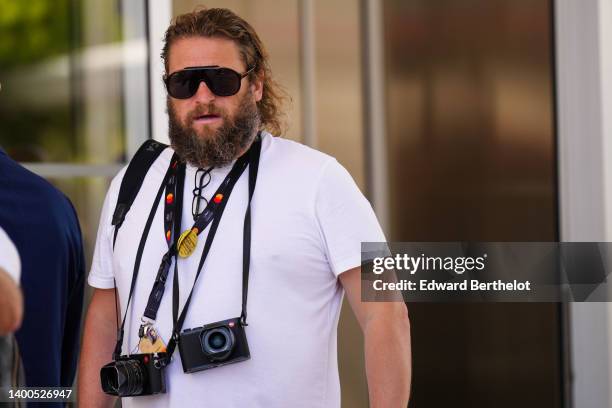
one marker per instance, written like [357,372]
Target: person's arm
[386,331]
[11,304]
[99,338]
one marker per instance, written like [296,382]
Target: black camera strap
[253,157]
[173,183]
[173,211]
[148,152]
[173,205]
[141,245]
[213,211]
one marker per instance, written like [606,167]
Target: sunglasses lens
[223,81]
[182,84]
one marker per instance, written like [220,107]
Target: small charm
[187,243]
[150,341]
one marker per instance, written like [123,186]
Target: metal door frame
[583,37]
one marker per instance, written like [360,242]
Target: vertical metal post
[375,126]
[159,15]
[605,35]
[584,106]
[308,68]
[135,74]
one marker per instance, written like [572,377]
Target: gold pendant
[187,242]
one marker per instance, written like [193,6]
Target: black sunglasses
[184,84]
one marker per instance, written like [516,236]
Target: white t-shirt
[9,257]
[308,221]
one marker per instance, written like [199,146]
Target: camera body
[133,375]
[213,345]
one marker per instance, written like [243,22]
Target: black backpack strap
[132,180]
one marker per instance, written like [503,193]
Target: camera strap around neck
[141,245]
[253,161]
[173,183]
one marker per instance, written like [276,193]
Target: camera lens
[112,381]
[125,378]
[218,343]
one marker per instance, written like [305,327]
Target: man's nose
[204,94]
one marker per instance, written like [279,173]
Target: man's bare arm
[386,330]
[11,304]
[99,338]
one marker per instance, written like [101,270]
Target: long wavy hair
[220,22]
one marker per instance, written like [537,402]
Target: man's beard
[214,147]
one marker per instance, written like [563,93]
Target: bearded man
[285,246]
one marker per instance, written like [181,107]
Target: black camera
[137,374]
[213,345]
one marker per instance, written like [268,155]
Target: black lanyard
[141,245]
[213,210]
[173,183]
[253,161]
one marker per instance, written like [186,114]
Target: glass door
[74,103]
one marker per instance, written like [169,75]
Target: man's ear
[257,86]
